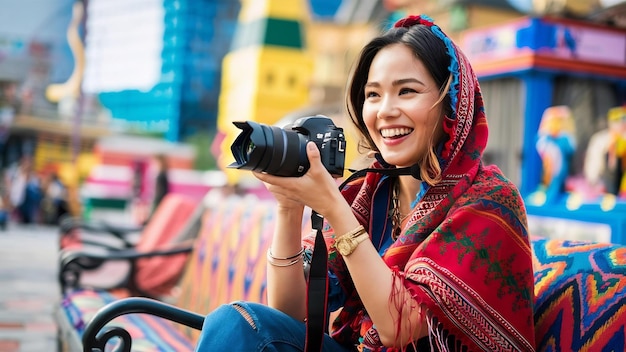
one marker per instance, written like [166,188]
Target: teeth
[395,132]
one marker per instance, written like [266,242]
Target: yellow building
[267,74]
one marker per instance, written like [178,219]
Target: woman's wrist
[342,219]
[284,261]
[287,238]
[290,211]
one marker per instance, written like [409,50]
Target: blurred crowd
[29,198]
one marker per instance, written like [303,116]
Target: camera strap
[317,290]
[317,282]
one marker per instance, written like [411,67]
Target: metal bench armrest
[94,340]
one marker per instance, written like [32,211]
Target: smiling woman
[428,248]
[402,106]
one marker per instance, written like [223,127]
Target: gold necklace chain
[396,217]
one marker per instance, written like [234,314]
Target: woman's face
[399,109]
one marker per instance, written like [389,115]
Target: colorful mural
[543,55]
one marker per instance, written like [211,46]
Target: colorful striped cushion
[149,333]
[156,276]
[580,290]
[228,263]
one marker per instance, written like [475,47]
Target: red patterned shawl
[464,254]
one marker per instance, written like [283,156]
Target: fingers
[314,155]
[311,150]
[267,178]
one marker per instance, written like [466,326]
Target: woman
[25,191]
[442,260]
[161,185]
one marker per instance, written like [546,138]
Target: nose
[387,108]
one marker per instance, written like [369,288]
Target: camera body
[330,140]
[282,152]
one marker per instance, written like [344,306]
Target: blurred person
[140,201]
[54,204]
[161,185]
[4,209]
[24,191]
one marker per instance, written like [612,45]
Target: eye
[407,91]
[371,94]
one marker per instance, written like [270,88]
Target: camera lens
[269,149]
[282,151]
[250,147]
[243,154]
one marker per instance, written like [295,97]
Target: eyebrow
[396,82]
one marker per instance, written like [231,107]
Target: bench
[173,211]
[580,290]
[101,256]
[227,262]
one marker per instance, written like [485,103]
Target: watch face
[344,246]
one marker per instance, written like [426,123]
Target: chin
[397,162]
[401,158]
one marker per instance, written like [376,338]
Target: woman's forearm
[375,284]
[286,286]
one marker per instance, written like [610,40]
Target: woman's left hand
[316,189]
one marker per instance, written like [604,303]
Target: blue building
[155,65]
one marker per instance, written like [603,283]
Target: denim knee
[246,326]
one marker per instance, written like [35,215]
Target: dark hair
[427,47]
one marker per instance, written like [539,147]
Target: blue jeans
[245,326]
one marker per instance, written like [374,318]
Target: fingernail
[311,146]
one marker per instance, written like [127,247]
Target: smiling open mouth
[395,132]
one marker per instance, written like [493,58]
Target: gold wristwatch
[347,243]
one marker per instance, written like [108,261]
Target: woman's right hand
[316,189]
[284,203]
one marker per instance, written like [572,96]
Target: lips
[395,132]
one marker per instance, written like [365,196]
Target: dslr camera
[282,151]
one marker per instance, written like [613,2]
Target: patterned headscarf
[464,254]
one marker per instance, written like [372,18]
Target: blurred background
[97,97]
